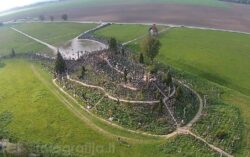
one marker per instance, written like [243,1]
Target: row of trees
[52,18]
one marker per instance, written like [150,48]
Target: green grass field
[124,33]
[54,33]
[220,57]
[10,39]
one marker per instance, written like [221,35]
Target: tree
[41,17]
[83,72]
[168,79]
[13,53]
[178,92]
[113,45]
[153,69]
[60,65]
[158,107]
[141,60]
[51,18]
[125,75]
[150,46]
[123,51]
[65,17]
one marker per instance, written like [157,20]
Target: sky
[8,4]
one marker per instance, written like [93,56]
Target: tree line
[238,1]
[52,18]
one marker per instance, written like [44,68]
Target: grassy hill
[36,112]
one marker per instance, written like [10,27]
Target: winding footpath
[110,96]
[180,130]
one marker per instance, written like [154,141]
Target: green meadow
[56,33]
[10,39]
[220,57]
[124,33]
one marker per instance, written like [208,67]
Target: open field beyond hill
[126,32]
[218,14]
[54,33]
[10,39]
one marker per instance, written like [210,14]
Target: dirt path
[165,99]
[197,116]
[110,96]
[108,122]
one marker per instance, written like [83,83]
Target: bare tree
[41,17]
[65,17]
[51,18]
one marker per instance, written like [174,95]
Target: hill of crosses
[116,85]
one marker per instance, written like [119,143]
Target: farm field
[54,33]
[91,3]
[21,43]
[218,14]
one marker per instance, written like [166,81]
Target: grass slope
[124,33]
[10,39]
[221,57]
[54,33]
